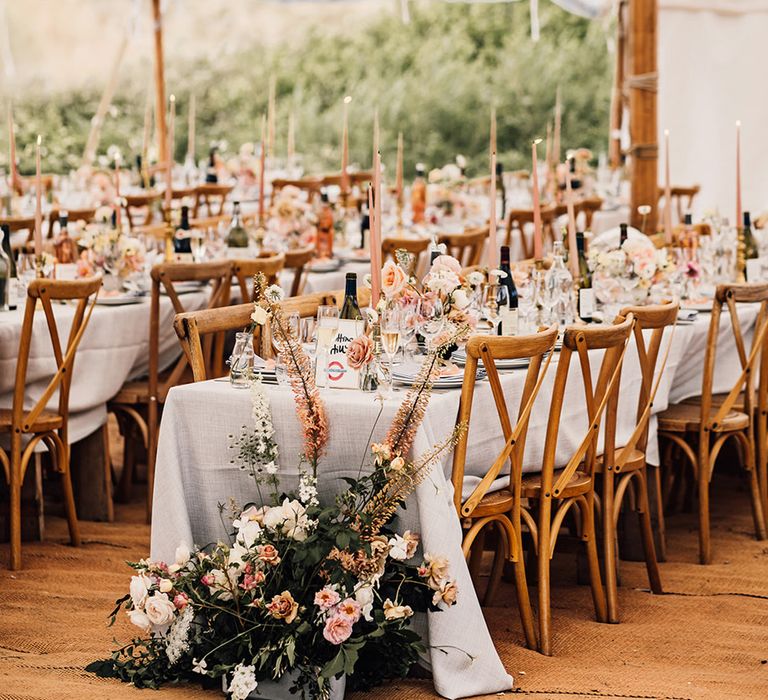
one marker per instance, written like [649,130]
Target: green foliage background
[434,79]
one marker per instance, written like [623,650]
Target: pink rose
[181,601]
[360,352]
[446,263]
[326,598]
[393,279]
[349,608]
[338,629]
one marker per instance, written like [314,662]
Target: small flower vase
[280,690]
[368,377]
[111,282]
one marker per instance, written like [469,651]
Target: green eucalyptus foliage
[433,79]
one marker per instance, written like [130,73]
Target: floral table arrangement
[306,595]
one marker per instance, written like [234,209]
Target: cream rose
[160,609]
[140,619]
[393,279]
[259,316]
[396,612]
[360,352]
[139,590]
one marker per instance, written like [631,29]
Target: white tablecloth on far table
[113,349]
[194,472]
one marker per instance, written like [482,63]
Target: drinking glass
[197,242]
[281,372]
[241,361]
[326,330]
[409,321]
[494,296]
[390,324]
[432,319]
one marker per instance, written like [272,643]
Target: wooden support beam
[162,129]
[642,82]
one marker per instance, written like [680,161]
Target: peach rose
[284,607]
[360,352]
[326,598]
[268,554]
[338,629]
[349,608]
[393,279]
[446,595]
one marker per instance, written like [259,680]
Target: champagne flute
[326,330]
[491,304]
[390,324]
[409,321]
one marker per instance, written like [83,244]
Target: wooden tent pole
[160,106]
[642,82]
[617,94]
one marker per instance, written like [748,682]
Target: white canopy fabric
[710,58]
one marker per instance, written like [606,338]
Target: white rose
[475,278]
[290,518]
[182,557]
[166,585]
[398,548]
[460,299]
[259,316]
[160,610]
[139,589]
[248,532]
[236,555]
[140,619]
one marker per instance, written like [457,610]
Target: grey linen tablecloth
[195,472]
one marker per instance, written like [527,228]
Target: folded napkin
[687,314]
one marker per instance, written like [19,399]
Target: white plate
[324,266]
[184,287]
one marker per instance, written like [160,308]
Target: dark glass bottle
[750,245]
[586,300]
[365,225]
[502,189]
[211,177]
[624,234]
[508,313]
[350,309]
[237,237]
[182,243]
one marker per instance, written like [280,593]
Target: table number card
[338,372]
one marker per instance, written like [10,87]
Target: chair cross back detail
[466,247]
[244,270]
[45,291]
[165,275]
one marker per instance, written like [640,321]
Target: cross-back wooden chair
[140,401]
[627,472]
[207,223]
[337,297]
[39,424]
[212,197]
[501,508]
[18,223]
[700,430]
[305,305]
[553,492]
[139,207]
[517,220]
[192,327]
[587,208]
[701,229]
[682,199]
[72,215]
[311,186]
[269,264]
[414,246]
[466,247]
[297,260]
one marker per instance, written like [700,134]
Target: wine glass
[390,324]
[432,319]
[409,321]
[197,243]
[326,329]
[492,303]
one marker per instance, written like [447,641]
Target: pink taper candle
[38,201]
[345,148]
[558,129]
[738,175]
[667,192]
[493,244]
[13,172]
[118,203]
[573,257]
[537,234]
[262,166]
[399,170]
[376,233]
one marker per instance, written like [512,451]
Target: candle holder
[40,266]
[741,255]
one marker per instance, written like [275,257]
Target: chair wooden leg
[69,496]
[152,429]
[646,531]
[476,556]
[499,557]
[661,520]
[14,488]
[589,537]
[523,598]
[609,544]
[704,471]
[544,558]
